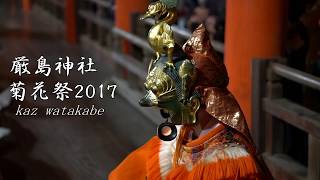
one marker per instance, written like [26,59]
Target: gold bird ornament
[160,35]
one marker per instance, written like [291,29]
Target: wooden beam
[129,63]
[296,75]
[103,3]
[133,39]
[89,16]
[294,114]
[283,167]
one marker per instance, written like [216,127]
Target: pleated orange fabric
[144,163]
[229,169]
[137,164]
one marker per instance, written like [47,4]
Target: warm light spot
[166,131]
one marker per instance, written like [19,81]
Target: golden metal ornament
[170,90]
[160,36]
[169,83]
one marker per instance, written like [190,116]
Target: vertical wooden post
[274,132]
[70,21]
[314,159]
[259,80]
[254,29]
[26,6]
[100,30]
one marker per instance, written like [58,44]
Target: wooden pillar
[124,9]
[70,21]
[254,29]
[26,6]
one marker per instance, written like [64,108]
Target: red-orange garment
[135,164]
[220,154]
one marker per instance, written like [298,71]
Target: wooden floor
[60,148]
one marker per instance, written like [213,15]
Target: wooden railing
[271,110]
[53,7]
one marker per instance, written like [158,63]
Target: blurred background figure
[193,13]
[211,24]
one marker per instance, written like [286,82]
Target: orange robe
[209,157]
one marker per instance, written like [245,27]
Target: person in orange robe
[218,146]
